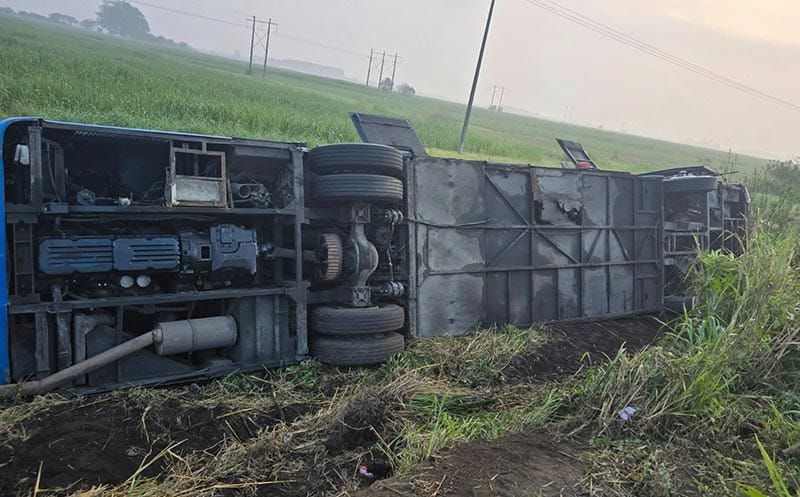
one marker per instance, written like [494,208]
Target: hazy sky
[548,63]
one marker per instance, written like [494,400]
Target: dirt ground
[577,345]
[518,465]
[103,439]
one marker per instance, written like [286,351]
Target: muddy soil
[572,347]
[103,441]
[518,465]
[357,425]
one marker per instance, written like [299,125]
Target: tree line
[115,17]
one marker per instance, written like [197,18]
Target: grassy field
[65,74]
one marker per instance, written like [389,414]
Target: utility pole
[369,68]
[475,81]
[252,44]
[383,61]
[266,50]
[394,71]
[494,92]
[500,103]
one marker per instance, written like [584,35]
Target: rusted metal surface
[501,243]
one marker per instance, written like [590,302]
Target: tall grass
[728,370]
[779,485]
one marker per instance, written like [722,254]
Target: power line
[322,45]
[614,34]
[190,14]
[211,4]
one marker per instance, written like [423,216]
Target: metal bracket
[361,296]
[357,213]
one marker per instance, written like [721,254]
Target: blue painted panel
[5,364]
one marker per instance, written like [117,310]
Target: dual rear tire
[356,336]
[356,172]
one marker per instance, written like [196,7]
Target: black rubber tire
[690,184]
[357,188]
[356,321]
[357,351]
[679,304]
[360,158]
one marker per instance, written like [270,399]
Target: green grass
[65,74]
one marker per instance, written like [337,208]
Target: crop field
[705,403]
[77,75]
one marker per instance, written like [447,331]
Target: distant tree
[7,10]
[406,89]
[33,15]
[63,19]
[386,84]
[123,19]
[88,24]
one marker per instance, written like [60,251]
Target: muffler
[172,337]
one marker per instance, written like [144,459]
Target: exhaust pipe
[174,337]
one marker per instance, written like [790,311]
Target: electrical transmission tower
[495,88]
[377,62]
[257,37]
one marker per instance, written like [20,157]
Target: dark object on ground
[577,345]
[357,424]
[519,465]
[375,469]
[679,304]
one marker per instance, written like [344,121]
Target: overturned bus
[141,257]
